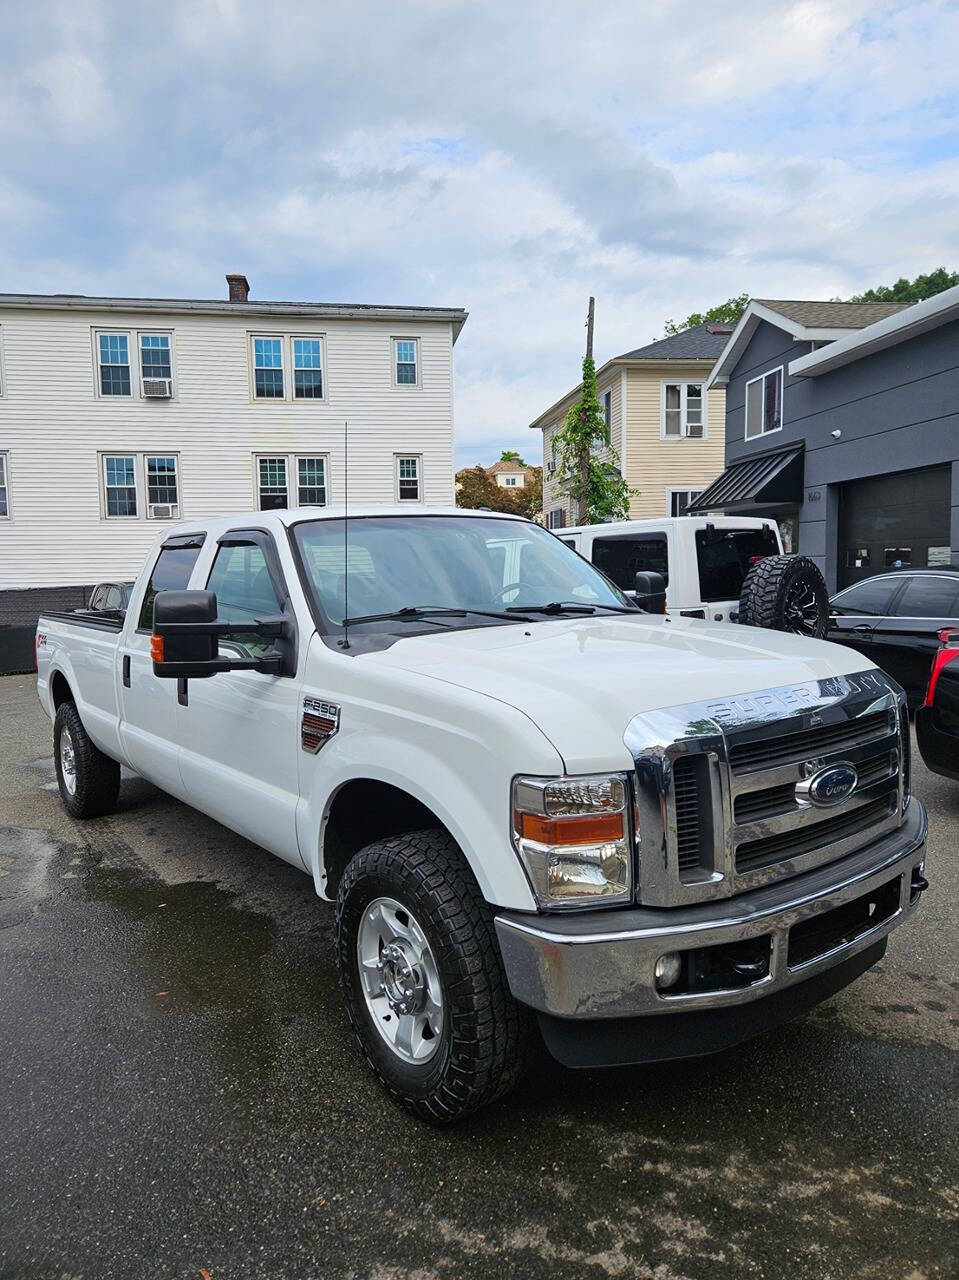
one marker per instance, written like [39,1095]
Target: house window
[681,499]
[552,442]
[405,361]
[155,356]
[764,404]
[408,479]
[162,486]
[4,493]
[307,369]
[606,408]
[268,368]
[272,492]
[557,518]
[114,356]
[120,485]
[681,411]
[511,482]
[311,482]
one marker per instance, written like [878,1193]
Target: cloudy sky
[510,158]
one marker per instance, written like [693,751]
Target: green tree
[728,312]
[597,487]
[911,290]
[476,488]
[510,455]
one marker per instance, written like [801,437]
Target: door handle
[126,671]
[862,626]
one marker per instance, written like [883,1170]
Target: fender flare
[482,837]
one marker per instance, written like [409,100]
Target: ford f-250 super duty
[530,801]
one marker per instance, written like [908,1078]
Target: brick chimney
[239,288]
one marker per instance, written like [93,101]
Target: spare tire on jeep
[785,593]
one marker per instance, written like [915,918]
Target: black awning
[775,479]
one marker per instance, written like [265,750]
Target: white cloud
[511,159]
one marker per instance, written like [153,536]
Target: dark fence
[19,611]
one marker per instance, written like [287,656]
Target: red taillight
[948,653]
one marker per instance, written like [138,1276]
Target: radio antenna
[345,643]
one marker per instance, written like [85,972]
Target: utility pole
[584,458]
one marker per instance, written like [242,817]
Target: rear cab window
[725,556]
[170,573]
[622,558]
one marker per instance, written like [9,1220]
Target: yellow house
[668,430]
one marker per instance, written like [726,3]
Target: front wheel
[89,781]
[420,969]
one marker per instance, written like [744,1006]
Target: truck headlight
[573,837]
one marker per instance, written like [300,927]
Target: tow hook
[919,882]
[749,969]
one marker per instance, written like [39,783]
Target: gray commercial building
[842,421]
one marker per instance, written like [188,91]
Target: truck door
[148,728]
[238,730]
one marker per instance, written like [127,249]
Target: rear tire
[89,781]
[413,932]
[786,593]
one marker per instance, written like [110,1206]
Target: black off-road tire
[785,593]
[97,777]
[484,1044]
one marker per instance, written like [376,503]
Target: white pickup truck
[531,802]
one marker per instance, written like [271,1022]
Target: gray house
[842,421]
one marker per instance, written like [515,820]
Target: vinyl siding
[53,425]
[656,466]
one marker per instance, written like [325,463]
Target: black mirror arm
[271,665]
[274,627]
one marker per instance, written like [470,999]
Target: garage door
[888,522]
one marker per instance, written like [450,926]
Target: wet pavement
[180,1095]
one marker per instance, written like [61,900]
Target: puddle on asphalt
[186,949]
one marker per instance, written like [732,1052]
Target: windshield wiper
[568,606]
[414,611]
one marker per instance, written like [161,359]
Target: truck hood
[581,680]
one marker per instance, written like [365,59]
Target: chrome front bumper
[600,964]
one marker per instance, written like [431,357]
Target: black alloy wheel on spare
[786,593]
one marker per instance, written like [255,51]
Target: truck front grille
[692,800]
[764,752]
[755,854]
[723,787]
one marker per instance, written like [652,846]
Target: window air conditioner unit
[164,511]
[157,388]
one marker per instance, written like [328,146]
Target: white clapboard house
[118,414]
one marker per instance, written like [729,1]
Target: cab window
[622,558]
[244,590]
[170,573]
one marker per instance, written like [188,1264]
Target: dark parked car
[895,619]
[110,597]
[937,720]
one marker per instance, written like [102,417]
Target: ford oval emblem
[833,784]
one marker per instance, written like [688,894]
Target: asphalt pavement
[180,1094]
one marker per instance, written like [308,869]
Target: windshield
[469,562]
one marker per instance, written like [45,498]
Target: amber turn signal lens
[156,648]
[569,831]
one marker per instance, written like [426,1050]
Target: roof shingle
[833,315]
[701,342]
